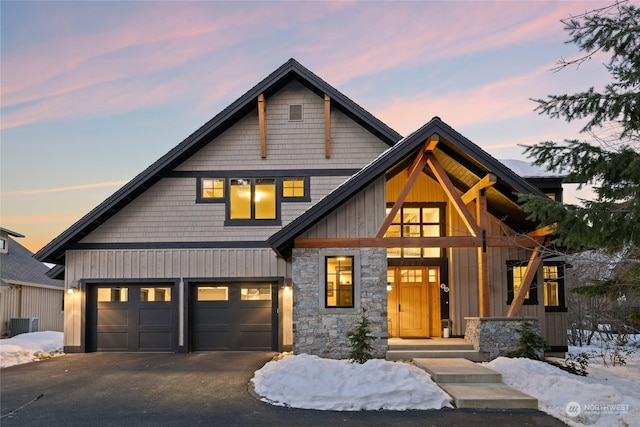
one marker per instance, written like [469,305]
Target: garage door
[132,318]
[233,316]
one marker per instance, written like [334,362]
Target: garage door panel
[235,317]
[255,340]
[113,341]
[211,315]
[113,317]
[154,341]
[155,316]
[132,318]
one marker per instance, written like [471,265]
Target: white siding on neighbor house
[32,301]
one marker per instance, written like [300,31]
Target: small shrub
[531,344]
[360,341]
[578,364]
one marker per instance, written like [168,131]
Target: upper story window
[252,198]
[3,245]
[417,220]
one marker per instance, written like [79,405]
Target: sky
[92,93]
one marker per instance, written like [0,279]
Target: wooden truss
[477,227]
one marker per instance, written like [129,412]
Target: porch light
[389,287]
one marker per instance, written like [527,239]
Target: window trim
[322,281]
[442,206]
[533,290]
[200,199]
[307,189]
[562,307]
[253,221]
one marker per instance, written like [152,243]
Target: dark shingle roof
[18,265]
[54,252]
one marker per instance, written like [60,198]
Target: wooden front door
[414,302]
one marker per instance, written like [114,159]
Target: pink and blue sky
[94,92]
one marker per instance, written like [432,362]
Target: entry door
[414,302]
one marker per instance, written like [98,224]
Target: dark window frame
[338,285]
[562,303]
[443,226]
[200,199]
[307,189]
[533,290]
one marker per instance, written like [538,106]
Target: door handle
[399,308]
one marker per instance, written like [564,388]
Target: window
[515,275]
[3,245]
[339,280]
[416,220]
[255,292]
[116,294]
[553,274]
[155,294]
[213,293]
[295,113]
[252,199]
[293,187]
[211,189]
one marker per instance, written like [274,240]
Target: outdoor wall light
[389,287]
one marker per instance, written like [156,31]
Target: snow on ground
[609,396]
[310,382]
[29,347]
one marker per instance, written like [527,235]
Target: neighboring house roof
[54,252]
[18,266]
[465,164]
[11,233]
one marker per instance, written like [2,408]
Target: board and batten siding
[159,264]
[45,303]
[360,216]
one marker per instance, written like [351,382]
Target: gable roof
[18,266]
[54,251]
[465,163]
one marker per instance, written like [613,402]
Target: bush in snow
[360,341]
[531,344]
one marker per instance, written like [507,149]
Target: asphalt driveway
[134,389]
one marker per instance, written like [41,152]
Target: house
[274,224]
[26,292]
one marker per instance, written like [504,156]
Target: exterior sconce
[73,287]
[389,287]
[287,284]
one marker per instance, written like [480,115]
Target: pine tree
[360,340]
[612,221]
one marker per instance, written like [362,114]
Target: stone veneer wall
[497,335]
[323,332]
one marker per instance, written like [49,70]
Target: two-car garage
[147,317]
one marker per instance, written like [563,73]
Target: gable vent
[295,113]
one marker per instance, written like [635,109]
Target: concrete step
[471,355]
[457,371]
[488,396]
[436,346]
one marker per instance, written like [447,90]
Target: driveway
[126,389]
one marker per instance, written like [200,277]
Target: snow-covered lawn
[29,347]
[310,382]
[609,396]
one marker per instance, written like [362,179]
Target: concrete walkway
[471,385]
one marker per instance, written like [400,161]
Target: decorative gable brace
[262,120]
[327,126]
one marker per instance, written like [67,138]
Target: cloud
[64,189]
